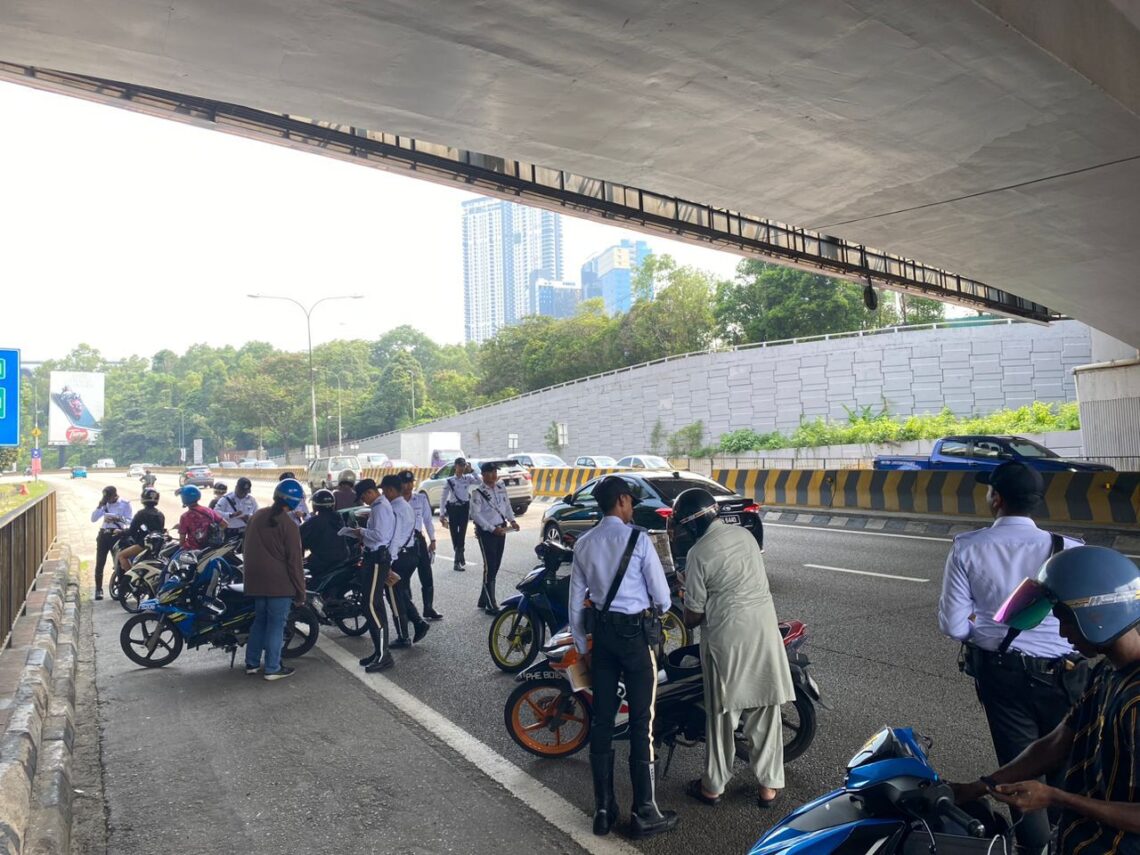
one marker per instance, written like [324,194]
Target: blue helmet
[1098,586]
[189,494]
[290,492]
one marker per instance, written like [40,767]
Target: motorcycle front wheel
[799,725]
[547,719]
[353,625]
[140,631]
[118,586]
[301,630]
[513,640]
[134,592]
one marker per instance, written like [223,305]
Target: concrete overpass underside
[997,139]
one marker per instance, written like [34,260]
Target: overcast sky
[133,234]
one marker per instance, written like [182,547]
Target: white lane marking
[560,813]
[866,573]
[860,531]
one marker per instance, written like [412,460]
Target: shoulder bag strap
[625,556]
[1058,544]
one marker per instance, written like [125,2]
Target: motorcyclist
[1094,593]
[147,521]
[148,479]
[345,494]
[220,490]
[193,525]
[326,549]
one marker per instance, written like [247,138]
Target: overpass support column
[1108,391]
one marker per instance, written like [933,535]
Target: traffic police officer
[620,650]
[1026,682]
[454,508]
[426,544]
[493,517]
[376,572]
[404,562]
[114,515]
[236,508]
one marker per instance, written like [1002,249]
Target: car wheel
[519,509]
[552,532]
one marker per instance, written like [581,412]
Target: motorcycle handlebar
[946,807]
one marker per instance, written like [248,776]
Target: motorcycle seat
[683,662]
[552,552]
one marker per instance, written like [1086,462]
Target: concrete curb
[891,523]
[35,749]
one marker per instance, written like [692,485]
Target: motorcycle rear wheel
[139,629]
[356,624]
[677,635]
[511,651]
[799,726]
[545,718]
[301,630]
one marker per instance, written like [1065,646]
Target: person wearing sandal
[746,673]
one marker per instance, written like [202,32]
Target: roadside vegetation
[10,498]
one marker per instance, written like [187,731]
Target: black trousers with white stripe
[492,546]
[373,583]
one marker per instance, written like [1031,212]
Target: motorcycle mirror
[568,499]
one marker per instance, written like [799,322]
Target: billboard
[75,415]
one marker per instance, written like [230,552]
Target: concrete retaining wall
[971,370]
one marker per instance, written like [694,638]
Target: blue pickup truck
[981,453]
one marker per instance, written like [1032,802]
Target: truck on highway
[978,453]
[430,448]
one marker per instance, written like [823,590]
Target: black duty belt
[1015,660]
[618,618]
[457,502]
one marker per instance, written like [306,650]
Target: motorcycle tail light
[665,513]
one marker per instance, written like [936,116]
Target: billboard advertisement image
[76,410]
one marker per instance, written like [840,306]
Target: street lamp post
[309,330]
[339,421]
[181,431]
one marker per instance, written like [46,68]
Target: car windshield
[586,494]
[339,463]
[670,488]
[546,460]
[1028,448]
[198,470]
[654,462]
[605,462]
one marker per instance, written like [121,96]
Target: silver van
[324,471]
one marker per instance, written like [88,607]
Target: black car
[578,512]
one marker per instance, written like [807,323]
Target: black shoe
[401,642]
[645,818]
[605,804]
[432,614]
[368,660]
[98,593]
[420,632]
[491,610]
[381,665]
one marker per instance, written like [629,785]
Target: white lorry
[430,448]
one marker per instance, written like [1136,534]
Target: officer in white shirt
[454,508]
[491,511]
[620,651]
[376,572]
[114,515]
[236,508]
[405,561]
[424,543]
[1026,682]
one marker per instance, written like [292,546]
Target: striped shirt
[1105,760]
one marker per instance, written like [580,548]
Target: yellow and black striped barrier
[1099,498]
[422,473]
[567,479]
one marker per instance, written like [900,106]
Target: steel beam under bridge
[550,188]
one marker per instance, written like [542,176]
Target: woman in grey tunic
[746,673]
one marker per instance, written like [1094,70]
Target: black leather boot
[605,803]
[646,819]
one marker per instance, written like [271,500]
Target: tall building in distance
[507,248]
[609,274]
[555,299]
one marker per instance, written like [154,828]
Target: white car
[643,461]
[136,470]
[596,461]
[513,475]
[105,463]
[538,460]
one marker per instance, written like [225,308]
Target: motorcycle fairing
[850,838]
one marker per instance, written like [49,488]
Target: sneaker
[285,671]
[368,660]
[252,669]
[421,631]
[98,593]
[382,665]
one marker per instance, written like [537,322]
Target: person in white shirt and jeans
[1027,682]
[114,515]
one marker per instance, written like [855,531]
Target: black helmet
[245,483]
[324,500]
[219,487]
[150,496]
[1098,587]
[695,509]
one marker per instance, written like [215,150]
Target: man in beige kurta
[746,673]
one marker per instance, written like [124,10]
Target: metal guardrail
[26,534]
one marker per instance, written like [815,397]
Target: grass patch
[10,498]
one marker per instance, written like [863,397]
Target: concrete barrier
[1097,498]
[558,482]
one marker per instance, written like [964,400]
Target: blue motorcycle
[892,803]
[198,603]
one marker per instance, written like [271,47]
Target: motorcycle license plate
[731,519]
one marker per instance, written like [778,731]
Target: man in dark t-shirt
[1095,594]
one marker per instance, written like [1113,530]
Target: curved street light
[309,330]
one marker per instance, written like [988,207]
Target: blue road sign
[37,453]
[9,397]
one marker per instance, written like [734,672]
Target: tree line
[255,395]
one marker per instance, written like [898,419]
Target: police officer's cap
[610,489]
[488,466]
[1015,481]
[363,486]
[389,482]
[407,476]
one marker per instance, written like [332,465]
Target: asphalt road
[330,761]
